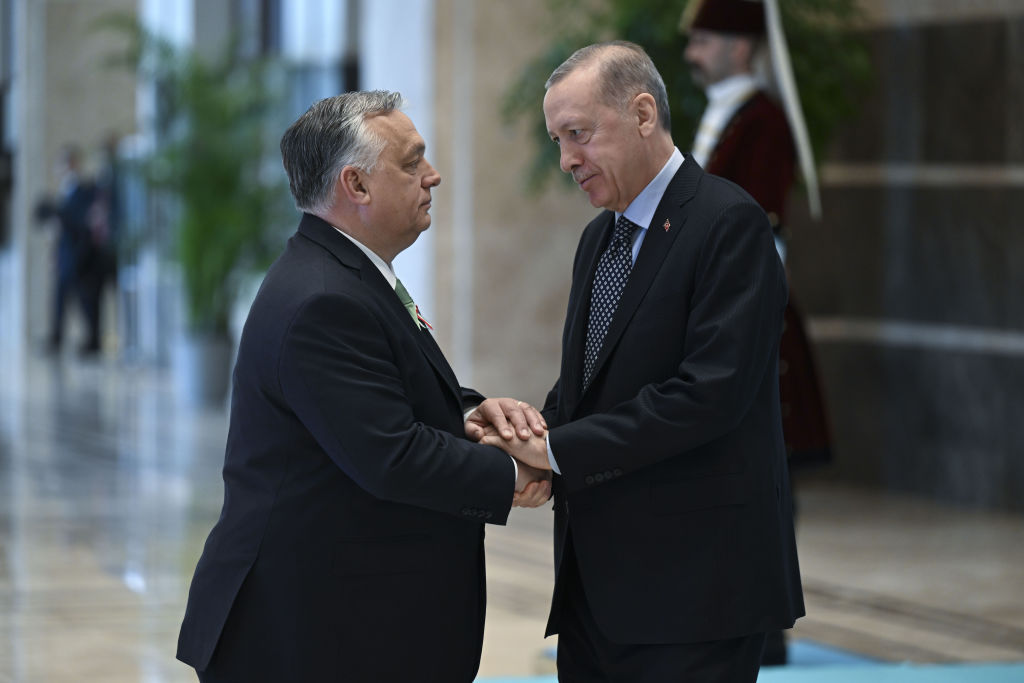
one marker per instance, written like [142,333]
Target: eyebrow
[416,150]
[571,122]
[564,126]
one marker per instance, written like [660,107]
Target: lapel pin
[667,225]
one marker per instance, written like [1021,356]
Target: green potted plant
[212,159]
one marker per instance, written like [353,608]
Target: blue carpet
[882,673]
[895,673]
[810,653]
[811,662]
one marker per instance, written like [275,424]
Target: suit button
[467,511]
[588,480]
[489,514]
[599,477]
[617,472]
[608,475]
[481,513]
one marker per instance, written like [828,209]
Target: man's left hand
[508,417]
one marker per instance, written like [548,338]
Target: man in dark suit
[674,539]
[350,544]
[76,250]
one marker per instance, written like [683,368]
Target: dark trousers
[585,655]
[62,291]
[88,289]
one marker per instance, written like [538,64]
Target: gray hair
[625,72]
[331,135]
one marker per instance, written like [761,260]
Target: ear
[352,185]
[646,113]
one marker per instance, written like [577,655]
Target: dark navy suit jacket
[350,545]
[674,485]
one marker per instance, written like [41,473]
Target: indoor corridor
[109,485]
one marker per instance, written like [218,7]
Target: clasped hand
[517,428]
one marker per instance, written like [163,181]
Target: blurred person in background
[76,253]
[105,219]
[744,136]
[350,544]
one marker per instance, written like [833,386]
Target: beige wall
[523,244]
[84,98]
[888,12]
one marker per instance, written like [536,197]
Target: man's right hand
[533,487]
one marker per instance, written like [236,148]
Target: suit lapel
[402,319]
[436,357]
[348,254]
[577,333]
[656,245]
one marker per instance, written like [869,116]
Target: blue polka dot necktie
[609,281]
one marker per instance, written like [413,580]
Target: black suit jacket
[674,483]
[350,544]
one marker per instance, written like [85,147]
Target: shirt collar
[383,266]
[641,210]
[731,87]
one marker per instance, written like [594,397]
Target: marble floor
[109,484]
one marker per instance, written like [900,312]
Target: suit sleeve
[342,379]
[550,408]
[731,338]
[471,398]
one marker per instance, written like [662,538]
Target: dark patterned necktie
[609,281]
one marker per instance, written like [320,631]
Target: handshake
[518,429]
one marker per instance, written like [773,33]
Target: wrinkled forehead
[578,90]
[573,96]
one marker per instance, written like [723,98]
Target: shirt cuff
[551,455]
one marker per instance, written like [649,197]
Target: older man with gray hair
[350,544]
[674,544]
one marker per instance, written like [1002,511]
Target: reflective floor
[108,486]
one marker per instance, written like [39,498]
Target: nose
[569,157]
[432,178]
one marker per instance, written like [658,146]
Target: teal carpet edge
[877,673]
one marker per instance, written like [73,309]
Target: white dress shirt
[383,266]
